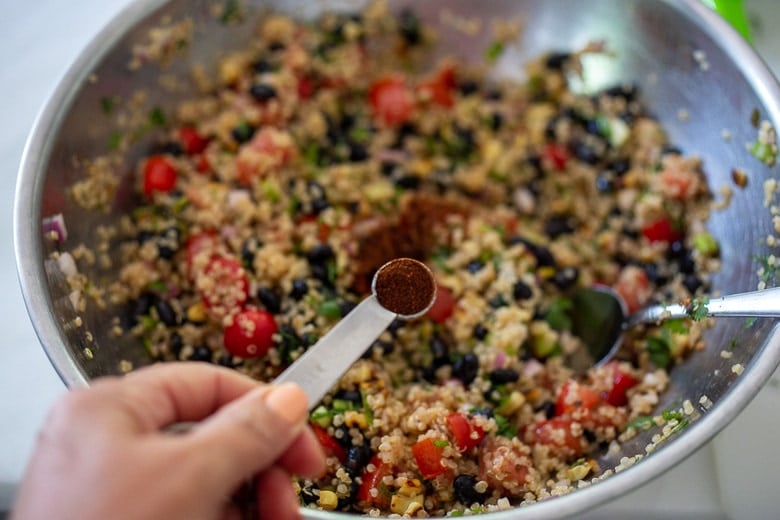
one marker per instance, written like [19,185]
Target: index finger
[157,396]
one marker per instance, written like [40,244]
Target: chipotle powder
[405,286]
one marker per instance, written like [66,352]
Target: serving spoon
[402,288]
[600,317]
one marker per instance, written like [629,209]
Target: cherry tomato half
[443,306]
[573,396]
[251,334]
[373,480]
[466,434]
[224,285]
[330,445]
[391,100]
[159,175]
[192,142]
[429,457]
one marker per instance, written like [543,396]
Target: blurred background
[733,477]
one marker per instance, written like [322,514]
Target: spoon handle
[761,304]
[326,361]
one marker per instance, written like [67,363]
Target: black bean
[289,342]
[440,351]
[168,242]
[408,182]
[558,225]
[542,255]
[548,407]
[475,266]
[604,184]
[353,396]
[299,289]
[566,277]
[342,436]
[356,459]
[395,326]
[466,368]
[201,353]
[262,65]
[320,272]
[521,291]
[692,283]
[502,376]
[357,152]
[248,250]
[319,205]
[308,494]
[671,150]
[171,148]
[627,92]
[387,168]
[620,166]
[269,299]
[242,132]
[463,486]
[166,313]
[276,46]
[409,27]
[556,60]
[468,87]
[346,306]
[686,262]
[589,435]
[586,153]
[175,344]
[480,332]
[143,305]
[496,121]
[653,274]
[227,360]
[494,94]
[320,254]
[262,91]
[429,374]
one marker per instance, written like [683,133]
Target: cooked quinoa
[325,150]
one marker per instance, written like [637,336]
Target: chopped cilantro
[440,443]
[270,190]
[158,286]
[108,104]
[764,152]
[768,270]
[676,326]
[360,134]
[642,422]
[148,322]
[732,344]
[505,428]
[557,315]
[682,424]
[494,51]
[659,350]
[755,117]
[698,308]
[366,408]
[231,12]
[440,256]
[671,414]
[157,117]
[333,271]
[750,321]
[114,140]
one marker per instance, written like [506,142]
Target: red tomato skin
[231,284]
[633,286]
[573,396]
[661,230]
[621,383]
[440,87]
[556,155]
[443,306]
[391,100]
[556,433]
[305,88]
[373,480]
[192,142]
[251,333]
[428,457]
[159,175]
[462,429]
[329,444]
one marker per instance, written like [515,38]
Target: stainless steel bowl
[662,46]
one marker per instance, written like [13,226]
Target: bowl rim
[31,275]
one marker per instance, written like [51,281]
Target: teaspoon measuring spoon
[406,289]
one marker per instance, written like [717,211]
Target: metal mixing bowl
[663,46]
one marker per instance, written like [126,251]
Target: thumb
[246,436]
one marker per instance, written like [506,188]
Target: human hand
[103,452]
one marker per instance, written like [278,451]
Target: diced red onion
[55,225]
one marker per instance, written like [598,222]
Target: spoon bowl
[600,317]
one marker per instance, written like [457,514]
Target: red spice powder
[405,286]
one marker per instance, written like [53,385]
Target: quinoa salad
[324,150]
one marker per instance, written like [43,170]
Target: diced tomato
[429,457]
[556,155]
[224,286]
[557,434]
[440,88]
[200,247]
[192,142]
[501,465]
[573,396]
[634,287]
[679,182]
[159,175]
[661,230]
[373,480]
[251,333]
[621,383]
[330,445]
[202,164]
[391,100]
[443,306]
[466,434]
[305,87]
[269,148]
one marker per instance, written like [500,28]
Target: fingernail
[288,401]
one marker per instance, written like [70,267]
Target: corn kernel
[328,500]
[197,313]
[512,404]
[355,419]
[410,488]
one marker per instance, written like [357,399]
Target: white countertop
[732,477]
